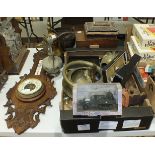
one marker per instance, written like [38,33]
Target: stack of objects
[87,107]
[97,35]
[142,42]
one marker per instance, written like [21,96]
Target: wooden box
[140,118]
[92,55]
[96,42]
[132,118]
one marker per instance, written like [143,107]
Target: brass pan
[80,72]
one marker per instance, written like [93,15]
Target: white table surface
[49,124]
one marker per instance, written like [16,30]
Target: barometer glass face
[29,86]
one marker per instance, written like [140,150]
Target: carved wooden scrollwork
[3,75]
[24,113]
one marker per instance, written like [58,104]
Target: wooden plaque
[24,109]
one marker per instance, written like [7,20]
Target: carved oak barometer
[28,98]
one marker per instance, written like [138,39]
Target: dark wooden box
[143,114]
[139,117]
[96,42]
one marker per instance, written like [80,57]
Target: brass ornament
[108,57]
[67,103]
[52,63]
[45,45]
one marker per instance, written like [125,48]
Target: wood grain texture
[83,41]
[24,114]
[7,62]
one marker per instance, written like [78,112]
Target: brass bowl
[80,72]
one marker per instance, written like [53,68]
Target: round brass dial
[30,89]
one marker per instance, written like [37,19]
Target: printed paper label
[131,123]
[107,125]
[94,46]
[83,127]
